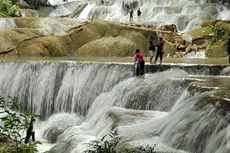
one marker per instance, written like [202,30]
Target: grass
[218,61]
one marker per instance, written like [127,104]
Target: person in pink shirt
[139,63]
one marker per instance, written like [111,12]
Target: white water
[83,102]
[200,54]
[185,14]
[59,2]
[85,13]
[7,23]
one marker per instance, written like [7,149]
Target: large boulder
[108,46]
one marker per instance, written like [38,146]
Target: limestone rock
[108,46]
[67,37]
[29,13]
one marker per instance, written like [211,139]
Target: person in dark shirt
[139,63]
[151,49]
[131,15]
[30,132]
[139,14]
[160,52]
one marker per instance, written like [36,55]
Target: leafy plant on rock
[111,146]
[7,8]
[218,34]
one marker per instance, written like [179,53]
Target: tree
[7,8]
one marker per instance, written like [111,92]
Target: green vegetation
[7,8]
[111,145]
[13,126]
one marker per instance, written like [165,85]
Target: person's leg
[151,56]
[33,135]
[142,68]
[27,137]
[161,57]
[157,55]
[137,69]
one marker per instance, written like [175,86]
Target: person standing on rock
[138,14]
[30,132]
[102,2]
[139,63]
[151,49]
[160,52]
[228,49]
[131,15]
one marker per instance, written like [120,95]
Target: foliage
[7,8]
[111,146]
[13,126]
[218,34]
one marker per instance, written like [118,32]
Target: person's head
[137,50]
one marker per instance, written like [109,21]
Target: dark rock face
[37,3]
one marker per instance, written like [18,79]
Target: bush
[7,8]
[111,146]
[13,125]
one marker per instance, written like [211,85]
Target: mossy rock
[83,35]
[169,49]
[87,39]
[218,49]
[28,22]
[98,31]
[10,38]
[108,46]
[219,23]
[45,46]
[201,33]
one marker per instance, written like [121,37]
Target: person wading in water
[30,132]
[139,63]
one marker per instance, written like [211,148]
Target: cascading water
[185,14]
[173,109]
[46,88]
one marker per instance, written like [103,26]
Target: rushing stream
[177,110]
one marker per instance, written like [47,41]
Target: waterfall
[47,88]
[185,14]
[79,102]
[157,110]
